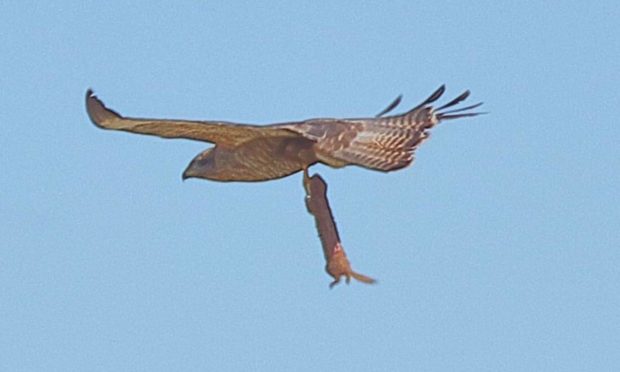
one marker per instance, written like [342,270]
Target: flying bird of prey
[245,152]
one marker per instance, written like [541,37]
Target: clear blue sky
[498,250]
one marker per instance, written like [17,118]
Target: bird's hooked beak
[188,173]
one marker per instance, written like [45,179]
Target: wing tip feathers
[97,112]
[391,106]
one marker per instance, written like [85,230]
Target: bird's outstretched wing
[220,132]
[383,143]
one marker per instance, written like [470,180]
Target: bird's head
[202,166]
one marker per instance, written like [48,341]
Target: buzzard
[244,152]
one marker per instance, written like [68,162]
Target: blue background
[499,250]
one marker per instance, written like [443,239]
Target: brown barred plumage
[258,153]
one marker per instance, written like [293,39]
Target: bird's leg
[306,184]
[306,181]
